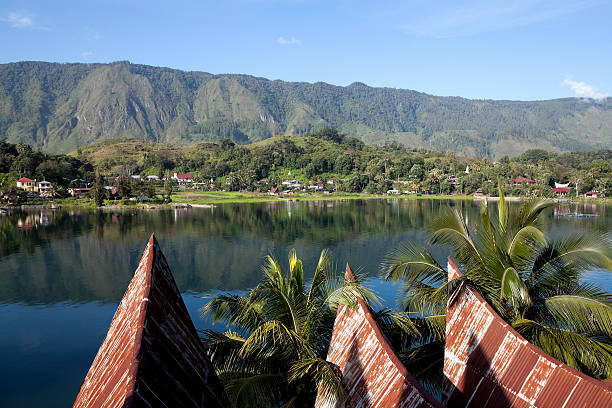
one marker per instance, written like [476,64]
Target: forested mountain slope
[60,107]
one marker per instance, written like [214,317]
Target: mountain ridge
[59,107]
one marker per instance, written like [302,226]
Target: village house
[561,191]
[291,184]
[26,184]
[183,178]
[78,188]
[44,188]
[523,180]
[78,191]
[592,194]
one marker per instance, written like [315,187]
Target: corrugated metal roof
[488,364]
[372,373]
[152,355]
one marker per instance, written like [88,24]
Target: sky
[518,50]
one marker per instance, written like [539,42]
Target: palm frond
[431,328]
[260,390]
[426,363]
[236,310]
[324,375]
[513,291]
[450,228]
[391,321]
[412,264]
[580,352]
[530,211]
[578,314]
[502,208]
[274,338]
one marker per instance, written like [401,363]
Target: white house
[183,178]
[44,188]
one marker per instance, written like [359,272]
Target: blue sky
[524,49]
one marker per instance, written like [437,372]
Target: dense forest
[327,156]
[61,107]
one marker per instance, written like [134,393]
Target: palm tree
[274,353]
[534,282]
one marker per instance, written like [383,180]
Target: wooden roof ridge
[489,364]
[371,371]
[151,355]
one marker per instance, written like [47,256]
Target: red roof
[25,180]
[560,190]
[488,364]
[523,180]
[152,355]
[370,370]
[184,176]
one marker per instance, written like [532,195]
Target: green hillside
[61,107]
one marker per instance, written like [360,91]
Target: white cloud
[584,90]
[18,20]
[288,41]
[87,53]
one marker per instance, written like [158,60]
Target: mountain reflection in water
[63,272]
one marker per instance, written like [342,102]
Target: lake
[64,272]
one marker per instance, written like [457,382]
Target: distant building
[78,191]
[559,185]
[560,191]
[523,180]
[467,169]
[183,178]
[393,191]
[44,188]
[152,178]
[26,184]
[79,183]
[591,194]
[293,184]
[135,177]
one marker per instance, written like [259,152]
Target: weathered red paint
[371,371]
[151,356]
[488,364]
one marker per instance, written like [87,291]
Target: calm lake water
[63,273]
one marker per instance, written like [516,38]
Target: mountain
[60,107]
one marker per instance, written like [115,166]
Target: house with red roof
[561,191]
[183,178]
[26,184]
[592,194]
[523,180]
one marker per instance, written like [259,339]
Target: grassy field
[219,197]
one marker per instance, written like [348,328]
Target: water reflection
[62,272]
[75,256]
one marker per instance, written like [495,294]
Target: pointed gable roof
[371,372]
[488,364]
[152,355]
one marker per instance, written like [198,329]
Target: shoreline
[211,199]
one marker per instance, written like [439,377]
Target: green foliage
[61,107]
[534,283]
[97,191]
[274,352]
